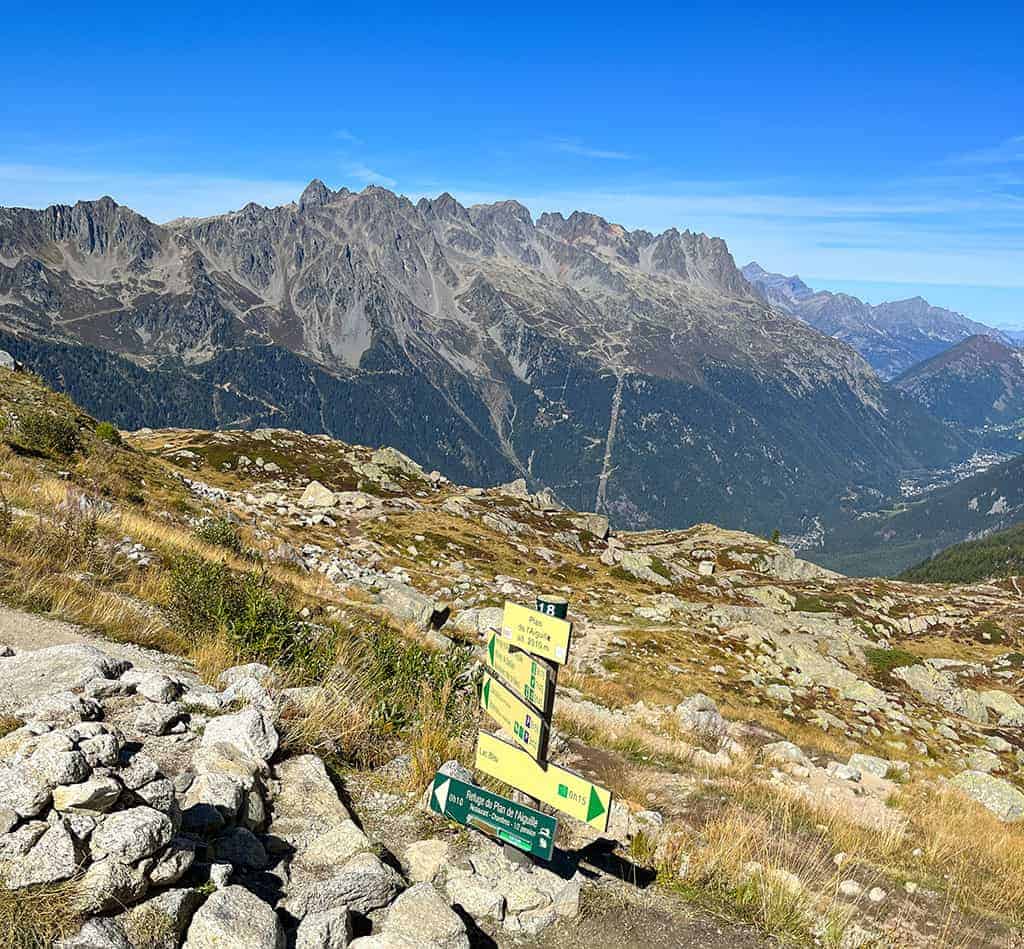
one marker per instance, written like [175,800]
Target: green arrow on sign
[595,808]
[487,692]
[490,651]
[499,817]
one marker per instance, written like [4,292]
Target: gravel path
[25,632]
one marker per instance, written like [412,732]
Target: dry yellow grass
[740,864]
[211,656]
[335,723]
[36,917]
[961,848]
[436,738]
[979,859]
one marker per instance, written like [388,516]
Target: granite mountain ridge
[636,373]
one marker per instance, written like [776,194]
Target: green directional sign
[523,722]
[496,816]
[529,678]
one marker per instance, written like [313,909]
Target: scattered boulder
[53,858]
[100,933]
[160,922]
[234,917]
[408,604]
[999,796]
[422,918]
[425,859]
[879,767]
[362,884]
[329,930]
[317,495]
[95,796]
[131,835]
[940,688]
[251,731]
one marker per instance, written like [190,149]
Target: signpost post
[518,692]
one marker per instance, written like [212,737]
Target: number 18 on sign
[516,824]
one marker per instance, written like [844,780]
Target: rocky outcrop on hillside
[484,342]
[167,810]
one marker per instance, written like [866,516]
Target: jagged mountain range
[635,373]
[892,337]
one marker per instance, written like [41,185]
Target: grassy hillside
[680,682]
[995,556]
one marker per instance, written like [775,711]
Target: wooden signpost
[518,692]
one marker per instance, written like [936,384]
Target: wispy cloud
[159,196]
[576,147]
[368,176]
[1007,152]
[344,135]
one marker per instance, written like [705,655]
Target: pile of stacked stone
[164,812]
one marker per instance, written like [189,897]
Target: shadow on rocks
[599,857]
[478,939]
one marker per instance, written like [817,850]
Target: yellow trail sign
[536,632]
[565,790]
[525,724]
[528,678]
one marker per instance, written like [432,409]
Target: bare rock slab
[234,917]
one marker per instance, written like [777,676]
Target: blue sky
[880,149]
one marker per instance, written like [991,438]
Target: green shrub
[202,595]
[396,672]
[989,631]
[256,618]
[883,661]
[220,532]
[661,569]
[811,604]
[45,433]
[107,431]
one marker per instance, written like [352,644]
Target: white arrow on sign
[441,793]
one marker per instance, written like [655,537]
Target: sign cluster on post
[518,692]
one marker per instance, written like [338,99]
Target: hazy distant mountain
[892,337]
[631,372]
[977,382]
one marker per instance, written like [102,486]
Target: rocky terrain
[636,374]
[892,337]
[277,647]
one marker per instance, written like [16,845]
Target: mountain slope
[892,540]
[977,382]
[632,372]
[997,555]
[892,337]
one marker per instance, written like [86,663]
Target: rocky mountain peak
[315,194]
[443,208]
